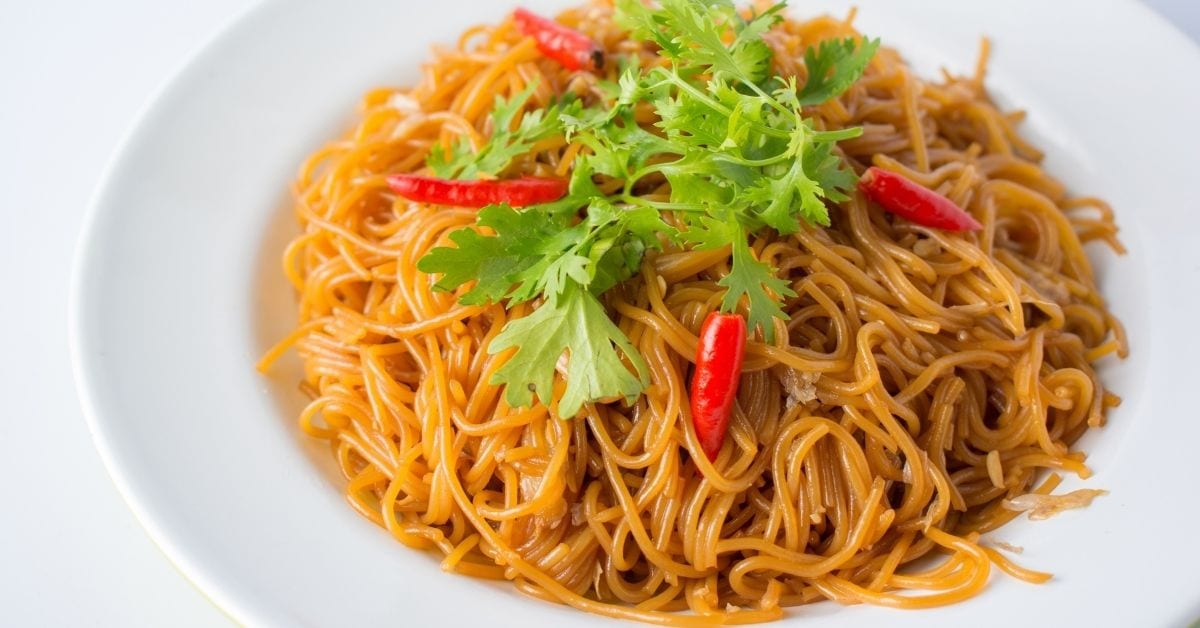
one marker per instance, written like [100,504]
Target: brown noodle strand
[923,377]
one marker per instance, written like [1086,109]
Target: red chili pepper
[715,379]
[571,48]
[516,192]
[907,199]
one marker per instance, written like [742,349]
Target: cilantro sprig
[731,140]
[460,161]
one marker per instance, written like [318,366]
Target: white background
[73,76]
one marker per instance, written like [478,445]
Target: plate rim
[178,557]
[208,584]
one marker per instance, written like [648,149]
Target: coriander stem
[837,136]
[754,163]
[771,100]
[712,104]
[677,207]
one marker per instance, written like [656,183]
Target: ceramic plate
[177,291]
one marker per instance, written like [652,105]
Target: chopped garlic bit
[529,485]
[927,247]
[596,577]
[1046,506]
[403,102]
[801,387]
[1051,289]
[1008,547]
[563,364]
[994,468]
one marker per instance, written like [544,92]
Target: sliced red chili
[515,192]
[715,379]
[905,198]
[569,47]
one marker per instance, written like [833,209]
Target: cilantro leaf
[693,32]
[645,23]
[575,323]
[619,245]
[777,198]
[447,162]
[499,262]
[785,193]
[707,231]
[729,139]
[748,278]
[826,168]
[833,66]
[620,146]
[540,250]
[506,142]
[757,282]
[689,120]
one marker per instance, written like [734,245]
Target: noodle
[923,379]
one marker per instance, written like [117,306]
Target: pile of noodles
[924,377]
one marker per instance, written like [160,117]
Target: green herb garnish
[732,143]
[505,144]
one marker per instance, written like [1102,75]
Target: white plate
[177,290]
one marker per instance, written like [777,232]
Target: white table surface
[73,76]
